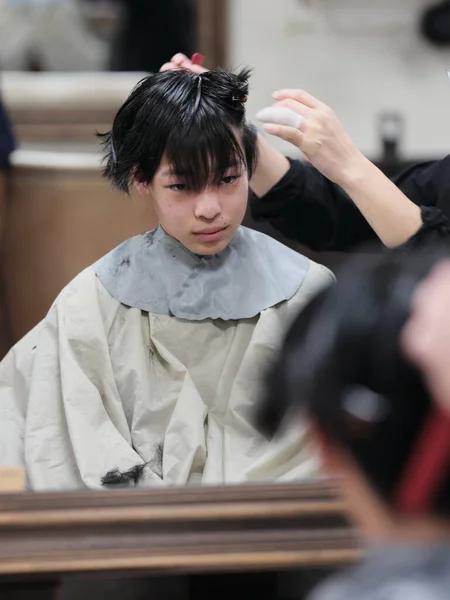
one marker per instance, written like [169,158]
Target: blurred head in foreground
[342,362]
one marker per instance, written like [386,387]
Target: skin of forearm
[392,216]
[271,167]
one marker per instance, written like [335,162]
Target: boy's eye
[229,179]
[183,187]
[178,187]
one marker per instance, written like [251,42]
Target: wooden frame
[189,530]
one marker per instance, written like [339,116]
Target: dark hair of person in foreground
[342,363]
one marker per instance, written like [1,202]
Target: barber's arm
[307,207]
[358,202]
[325,144]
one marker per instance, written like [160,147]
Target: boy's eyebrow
[172,173]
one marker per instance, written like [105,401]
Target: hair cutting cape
[152,359]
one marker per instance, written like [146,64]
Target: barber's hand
[320,136]
[181,61]
[426,336]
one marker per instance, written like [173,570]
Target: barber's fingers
[289,134]
[198,69]
[169,66]
[181,61]
[179,58]
[187,65]
[309,142]
[299,95]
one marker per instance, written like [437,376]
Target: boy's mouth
[210,234]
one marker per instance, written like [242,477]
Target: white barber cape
[147,368]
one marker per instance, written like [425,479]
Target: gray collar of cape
[157,274]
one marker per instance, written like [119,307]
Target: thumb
[289,134]
[169,66]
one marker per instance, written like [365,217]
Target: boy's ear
[141,188]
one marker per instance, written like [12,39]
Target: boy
[145,369]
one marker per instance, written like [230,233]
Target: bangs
[202,153]
[195,122]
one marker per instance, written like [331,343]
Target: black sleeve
[309,209]
[435,231]
[427,184]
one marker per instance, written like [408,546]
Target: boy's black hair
[346,345]
[191,119]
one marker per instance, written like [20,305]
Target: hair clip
[242,99]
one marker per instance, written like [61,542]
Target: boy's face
[204,222]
